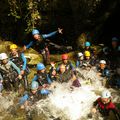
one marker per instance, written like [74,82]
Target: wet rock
[4,46]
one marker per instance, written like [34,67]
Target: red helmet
[64,57]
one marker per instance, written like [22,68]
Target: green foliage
[14,8]
[33,14]
[26,10]
[75,16]
[29,11]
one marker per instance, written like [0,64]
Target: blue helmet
[34,85]
[115,39]
[40,66]
[87,44]
[35,31]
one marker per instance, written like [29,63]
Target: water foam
[69,103]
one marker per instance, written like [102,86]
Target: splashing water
[5,102]
[68,103]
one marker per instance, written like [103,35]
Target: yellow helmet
[13,46]
[87,53]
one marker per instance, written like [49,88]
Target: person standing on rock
[19,59]
[10,73]
[38,39]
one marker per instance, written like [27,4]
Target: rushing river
[64,103]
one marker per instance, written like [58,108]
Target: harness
[34,97]
[17,60]
[68,66]
[65,77]
[42,78]
[104,109]
[80,62]
[8,73]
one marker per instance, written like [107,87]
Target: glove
[45,92]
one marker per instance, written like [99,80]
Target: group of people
[14,70]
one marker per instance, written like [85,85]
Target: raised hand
[60,30]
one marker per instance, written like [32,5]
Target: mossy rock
[4,46]
[57,57]
[33,57]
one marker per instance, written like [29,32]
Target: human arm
[23,99]
[30,44]
[72,66]
[35,78]
[1,78]
[15,67]
[48,79]
[24,62]
[45,36]
[94,110]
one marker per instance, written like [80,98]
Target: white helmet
[102,62]
[106,94]
[80,54]
[3,56]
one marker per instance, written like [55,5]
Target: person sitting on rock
[94,57]
[10,73]
[87,46]
[102,69]
[105,106]
[80,58]
[20,60]
[29,98]
[42,78]
[65,76]
[66,62]
[87,59]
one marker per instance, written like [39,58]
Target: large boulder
[33,57]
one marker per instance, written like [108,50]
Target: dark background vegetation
[99,19]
